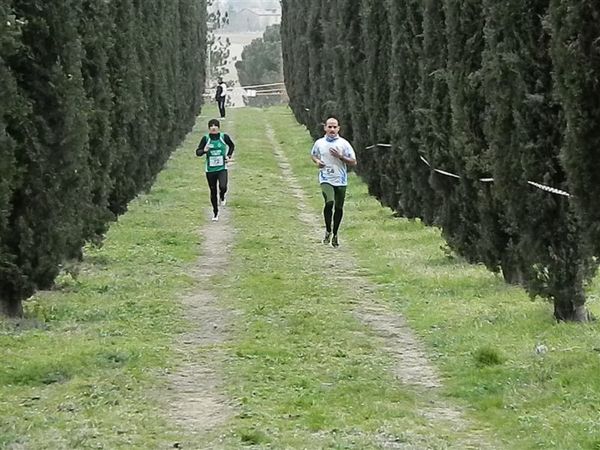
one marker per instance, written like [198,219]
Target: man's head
[213,126]
[332,127]
[220,80]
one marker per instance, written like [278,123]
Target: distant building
[253,20]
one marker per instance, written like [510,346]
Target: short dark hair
[212,122]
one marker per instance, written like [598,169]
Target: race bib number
[214,161]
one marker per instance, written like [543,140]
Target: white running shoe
[223,202]
[215,218]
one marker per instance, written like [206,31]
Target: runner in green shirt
[218,148]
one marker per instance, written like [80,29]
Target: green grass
[86,368]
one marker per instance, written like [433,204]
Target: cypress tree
[375,35]
[128,105]
[412,187]
[341,91]
[575,29]
[351,75]
[55,183]
[432,105]
[524,132]
[327,103]
[468,216]
[13,113]
[316,71]
[74,122]
[96,36]
[294,47]
[192,17]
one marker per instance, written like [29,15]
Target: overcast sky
[223,5]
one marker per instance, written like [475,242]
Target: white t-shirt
[335,171]
[224,89]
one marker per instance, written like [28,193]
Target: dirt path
[411,366]
[197,402]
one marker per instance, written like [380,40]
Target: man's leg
[340,197]
[222,185]
[212,178]
[329,197]
[222,107]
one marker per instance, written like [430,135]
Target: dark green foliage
[433,108]
[348,60]
[468,215]
[318,75]
[294,48]
[95,95]
[576,57]
[261,59]
[13,111]
[96,38]
[416,196]
[523,128]
[46,223]
[468,85]
[375,38]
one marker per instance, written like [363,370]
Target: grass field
[86,368]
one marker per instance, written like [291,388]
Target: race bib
[214,161]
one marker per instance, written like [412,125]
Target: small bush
[488,356]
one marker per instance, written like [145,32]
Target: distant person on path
[218,148]
[333,154]
[221,96]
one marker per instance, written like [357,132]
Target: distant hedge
[94,96]
[508,91]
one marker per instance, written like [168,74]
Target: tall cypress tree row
[576,58]
[468,215]
[295,47]
[433,107]
[352,75]
[144,135]
[96,36]
[192,47]
[46,225]
[340,67]
[375,32]
[13,113]
[78,136]
[127,113]
[524,133]
[415,193]
[326,95]
[316,70]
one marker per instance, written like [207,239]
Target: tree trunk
[10,307]
[511,271]
[566,311]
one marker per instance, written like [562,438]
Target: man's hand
[335,152]
[320,163]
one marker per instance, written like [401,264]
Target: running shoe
[334,241]
[327,238]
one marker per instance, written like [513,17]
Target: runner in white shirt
[333,154]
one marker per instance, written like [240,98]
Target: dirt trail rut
[197,401]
